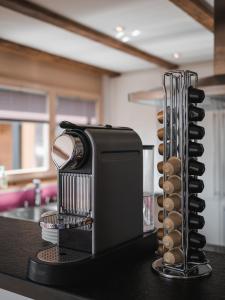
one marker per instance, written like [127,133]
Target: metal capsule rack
[176,142]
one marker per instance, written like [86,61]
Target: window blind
[21,105]
[76,110]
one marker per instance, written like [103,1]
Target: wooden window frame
[52,94]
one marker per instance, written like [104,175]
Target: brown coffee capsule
[160,116]
[161,149]
[161,182]
[160,233]
[160,167]
[173,256]
[172,185]
[172,166]
[172,202]
[173,220]
[160,133]
[160,216]
[160,200]
[161,250]
[173,239]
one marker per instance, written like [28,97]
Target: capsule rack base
[194,271]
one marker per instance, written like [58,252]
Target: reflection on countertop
[29,213]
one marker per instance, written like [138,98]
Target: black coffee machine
[100,204]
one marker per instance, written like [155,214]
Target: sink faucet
[37,192]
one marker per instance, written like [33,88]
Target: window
[24,130]
[75,110]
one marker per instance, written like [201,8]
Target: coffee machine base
[62,266]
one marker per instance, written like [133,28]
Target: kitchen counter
[21,239]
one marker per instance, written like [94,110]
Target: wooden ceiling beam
[38,55]
[43,14]
[200,10]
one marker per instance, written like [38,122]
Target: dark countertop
[21,239]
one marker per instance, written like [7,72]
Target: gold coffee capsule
[172,202]
[161,182]
[173,239]
[160,233]
[172,185]
[160,133]
[161,149]
[172,166]
[160,167]
[160,200]
[174,256]
[160,216]
[160,116]
[173,220]
[161,250]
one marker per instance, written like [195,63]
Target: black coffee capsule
[196,221]
[196,256]
[196,240]
[196,204]
[196,132]
[195,149]
[195,167]
[195,113]
[195,95]
[195,185]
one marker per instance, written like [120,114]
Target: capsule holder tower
[182,257]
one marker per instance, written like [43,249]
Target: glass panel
[148,188]
[23,145]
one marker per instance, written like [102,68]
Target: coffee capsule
[173,220]
[161,149]
[172,166]
[160,116]
[172,184]
[173,239]
[160,216]
[195,255]
[161,182]
[195,113]
[196,240]
[172,202]
[173,256]
[196,221]
[160,233]
[195,149]
[195,95]
[195,167]
[161,250]
[160,134]
[160,200]
[196,204]
[160,167]
[196,132]
[195,185]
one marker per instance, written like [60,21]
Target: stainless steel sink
[29,213]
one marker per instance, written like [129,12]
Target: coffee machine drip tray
[53,220]
[59,255]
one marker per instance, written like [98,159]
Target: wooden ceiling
[200,10]
[39,55]
[43,14]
